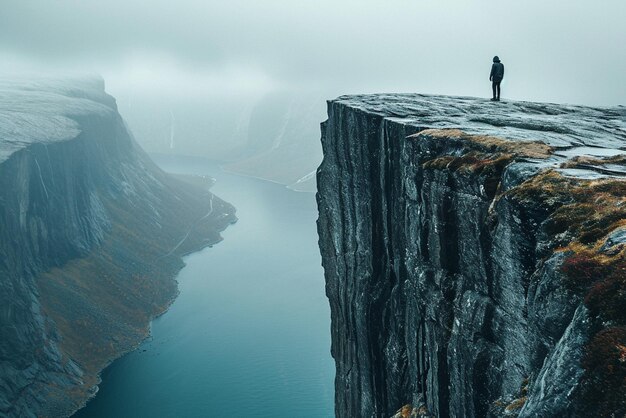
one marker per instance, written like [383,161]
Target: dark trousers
[495,85]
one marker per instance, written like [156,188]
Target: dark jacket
[497,71]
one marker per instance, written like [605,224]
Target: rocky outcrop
[92,234]
[453,234]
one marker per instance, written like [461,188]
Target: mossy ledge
[481,155]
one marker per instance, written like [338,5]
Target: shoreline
[148,328]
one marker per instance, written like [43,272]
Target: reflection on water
[249,334]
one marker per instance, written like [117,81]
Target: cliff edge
[91,238]
[475,256]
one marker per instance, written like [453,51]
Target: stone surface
[444,290]
[91,237]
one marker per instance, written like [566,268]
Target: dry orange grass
[588,210]
[584,160]
[517,404]
[529,149]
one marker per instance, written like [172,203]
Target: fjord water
[249,334]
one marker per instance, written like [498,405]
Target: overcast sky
[559,50]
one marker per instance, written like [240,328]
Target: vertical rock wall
[445,292]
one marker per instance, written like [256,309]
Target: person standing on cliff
[496,76]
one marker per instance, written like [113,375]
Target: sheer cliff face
[91,238]
[446,227]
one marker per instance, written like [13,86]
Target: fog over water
[250,328]
[206,64]
[560,50]
[244,83]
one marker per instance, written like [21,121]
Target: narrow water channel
[249,335]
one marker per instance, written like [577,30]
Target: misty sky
[563,51]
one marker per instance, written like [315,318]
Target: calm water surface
[249,334]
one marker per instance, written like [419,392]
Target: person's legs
[493,87]
[498,89]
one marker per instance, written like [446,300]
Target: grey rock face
[74,190]
[443,290]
